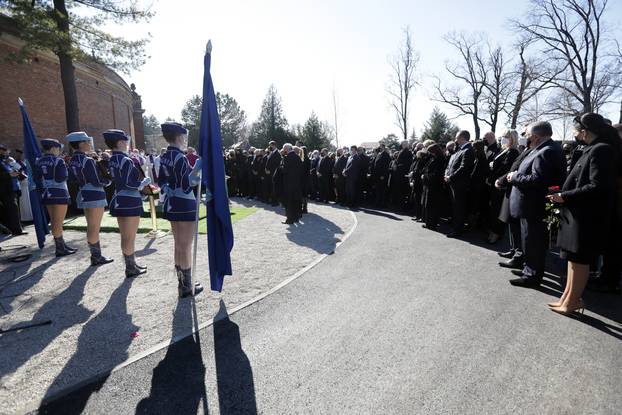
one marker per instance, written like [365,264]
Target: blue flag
[219,229]
[31,153]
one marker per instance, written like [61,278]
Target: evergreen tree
[72,30]
[314,134]
[232,119]
[271,124]
[438,128]
[191,116]
[391,142]
[151,125]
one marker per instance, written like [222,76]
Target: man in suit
[292,189]
[339,179]
[324,170]
[273,162]
[492,146]
[515,254]
[352,173]
[542,168]
[458,176]
[381,175]
[402,167]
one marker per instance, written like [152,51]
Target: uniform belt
[91,187]
[54,184]
[178,192]
[129,193]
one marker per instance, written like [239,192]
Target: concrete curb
[33,406]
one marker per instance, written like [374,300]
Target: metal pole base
[156,233]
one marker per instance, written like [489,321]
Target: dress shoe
[512,264]
[454,234]
[508,255]
[525,282]
[518,273]
[570,310]
[287,223]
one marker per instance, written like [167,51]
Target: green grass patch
[109,223]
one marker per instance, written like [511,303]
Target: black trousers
[293,206]
[9,213]
[381,191]
[324,184]
[516,243]
[352,192]
[612,263]
[340,186]
[459,204]
[534,247]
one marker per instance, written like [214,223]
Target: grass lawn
[109,223]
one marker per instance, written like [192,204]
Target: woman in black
[478,200]
[586,203]
[499,168]
[432,178]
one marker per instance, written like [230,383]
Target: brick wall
[104,100]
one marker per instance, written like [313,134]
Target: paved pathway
[94,312]
[399,320]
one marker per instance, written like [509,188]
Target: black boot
[131,270]
[184,283]
[96,255]
[61,248]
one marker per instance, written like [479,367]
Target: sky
[308,49]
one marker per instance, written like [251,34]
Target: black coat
[404,160]
[588,194]
[460,166]
[502,164]
[340,164]
[292,173]
[381,165]
[542,168]
[274,160]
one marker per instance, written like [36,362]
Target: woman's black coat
[588,201]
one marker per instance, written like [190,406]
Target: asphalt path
[398,320]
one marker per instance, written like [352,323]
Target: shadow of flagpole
[236,388]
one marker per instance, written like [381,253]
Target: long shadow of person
[95,351]
[64,309]
[316,233]
[236,388]
[178,382]
[20,279]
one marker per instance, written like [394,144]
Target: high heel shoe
[568,311]
[559,304]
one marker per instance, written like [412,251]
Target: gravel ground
[96,311]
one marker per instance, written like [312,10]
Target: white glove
[146,181]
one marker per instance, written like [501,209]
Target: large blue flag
[219,229]
[31,153]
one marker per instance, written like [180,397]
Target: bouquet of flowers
[552,218]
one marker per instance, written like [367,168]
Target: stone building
[104,98]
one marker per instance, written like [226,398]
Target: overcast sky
[307,48]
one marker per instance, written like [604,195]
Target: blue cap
[77,136]
[173,127]
[115,135]
[51,142]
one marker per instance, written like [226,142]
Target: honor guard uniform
[177,179]
[126,200]
[10,172]
[84,171]
[51,178]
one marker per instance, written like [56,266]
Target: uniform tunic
[176,184]
[51,176]
[84,171]
[126,200]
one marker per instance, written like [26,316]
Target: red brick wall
[103,103]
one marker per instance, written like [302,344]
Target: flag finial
[20,102]
[208,49]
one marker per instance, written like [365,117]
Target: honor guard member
[126,203]
[92,196]
[51,179]
[176,180]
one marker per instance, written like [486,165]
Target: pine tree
[438,128]
[314,134]
[271,124]
[232,119]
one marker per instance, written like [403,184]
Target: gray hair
[541,129]
[287,147]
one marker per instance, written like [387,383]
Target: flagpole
[208,49]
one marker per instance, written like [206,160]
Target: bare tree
[403,80]
[498,88]
[530,79]
[471,74]
[571,34]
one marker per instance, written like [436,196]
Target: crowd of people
[495,185]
